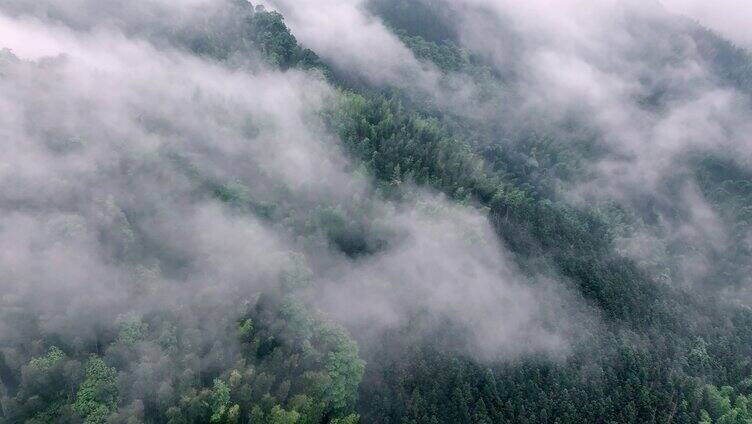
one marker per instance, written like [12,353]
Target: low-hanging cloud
[355,42]
[104,134]
[447,263]
[630,74]
[728,17]
[635,76]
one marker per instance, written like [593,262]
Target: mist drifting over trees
[375,211]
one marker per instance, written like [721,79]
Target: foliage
[97,397]
[659,354]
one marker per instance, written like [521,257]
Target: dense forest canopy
[374,211]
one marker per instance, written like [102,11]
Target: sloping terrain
[390,211]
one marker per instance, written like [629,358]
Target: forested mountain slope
[392,211]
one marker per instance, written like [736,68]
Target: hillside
[382,211]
